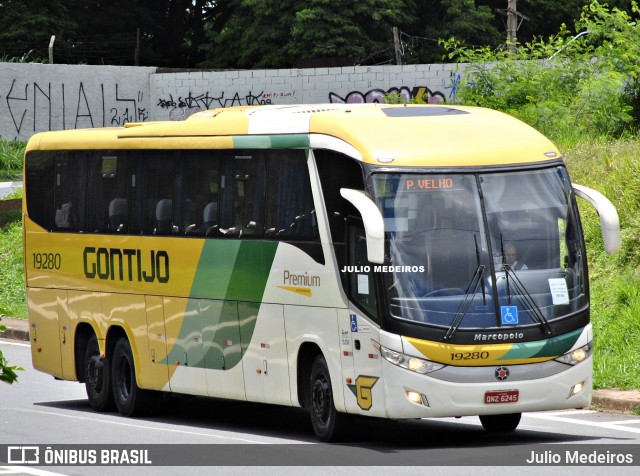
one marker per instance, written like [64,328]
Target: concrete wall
[178,95]
[36,97]
[41,97]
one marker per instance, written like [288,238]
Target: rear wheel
[500,423]
[328,423]
[97,379]
[130,399]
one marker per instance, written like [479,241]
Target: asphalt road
[42,411]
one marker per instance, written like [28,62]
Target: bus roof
[414,135]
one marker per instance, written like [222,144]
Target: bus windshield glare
[482,250]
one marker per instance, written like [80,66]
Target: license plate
[501,396]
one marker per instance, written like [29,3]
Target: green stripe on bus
[251,271]
[273,141]
[216,265]
[290,141]
[252,142]
[553,347]
[233,270]
[225,299]
[559,345]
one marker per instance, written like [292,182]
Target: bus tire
[328,424]
[97,380]
[500,423]
[130,399]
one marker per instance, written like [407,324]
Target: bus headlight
[577,355]
[415,364]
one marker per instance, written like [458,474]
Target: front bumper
[448,399]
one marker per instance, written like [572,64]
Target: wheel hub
[320,399]
[95,369]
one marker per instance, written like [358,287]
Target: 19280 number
[469,355]
[47,260]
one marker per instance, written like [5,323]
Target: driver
[511,257]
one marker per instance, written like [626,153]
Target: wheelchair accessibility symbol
[354,323]
[509,315]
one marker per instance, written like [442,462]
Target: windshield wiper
[468,298]
[525,297]
[484,294]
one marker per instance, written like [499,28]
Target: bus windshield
[481,250]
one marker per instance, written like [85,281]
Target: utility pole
[512,25]
[136,54]
[512,15]
[51,42]
[396,45]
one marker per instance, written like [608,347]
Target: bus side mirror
[609,221]
[372,220]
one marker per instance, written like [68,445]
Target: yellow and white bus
[349,259]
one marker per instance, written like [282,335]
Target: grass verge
[612,167]
[11,154]
[12,291]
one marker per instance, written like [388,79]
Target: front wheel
[328,423]
[97,377]
[500,423]
[130,399]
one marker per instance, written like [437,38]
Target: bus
[390,261]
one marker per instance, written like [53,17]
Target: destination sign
[432,183]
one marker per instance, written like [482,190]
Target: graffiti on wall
[34,107]
[184,106]
[380,95]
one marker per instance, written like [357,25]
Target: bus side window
[198,193]
[40,179]
[290,210]
[152,180]
[243,195]
[70,180]
[338,171]
[109,210]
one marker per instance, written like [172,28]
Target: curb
[616,400]
[17,329]
[606,399]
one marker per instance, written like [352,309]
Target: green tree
[543,17]
[174,30]
[342,28]
[276,33]
[26,27]
[171,32]
[563,85]
[105,32]
[249,34]
[264,33]
[467,20]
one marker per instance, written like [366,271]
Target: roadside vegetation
[11,153]
[12,291]
[12,294]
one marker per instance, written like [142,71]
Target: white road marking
[627,422]
[570,412]
[612,425]
[137,425]
[559,417]
[26,470]
[17,344]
